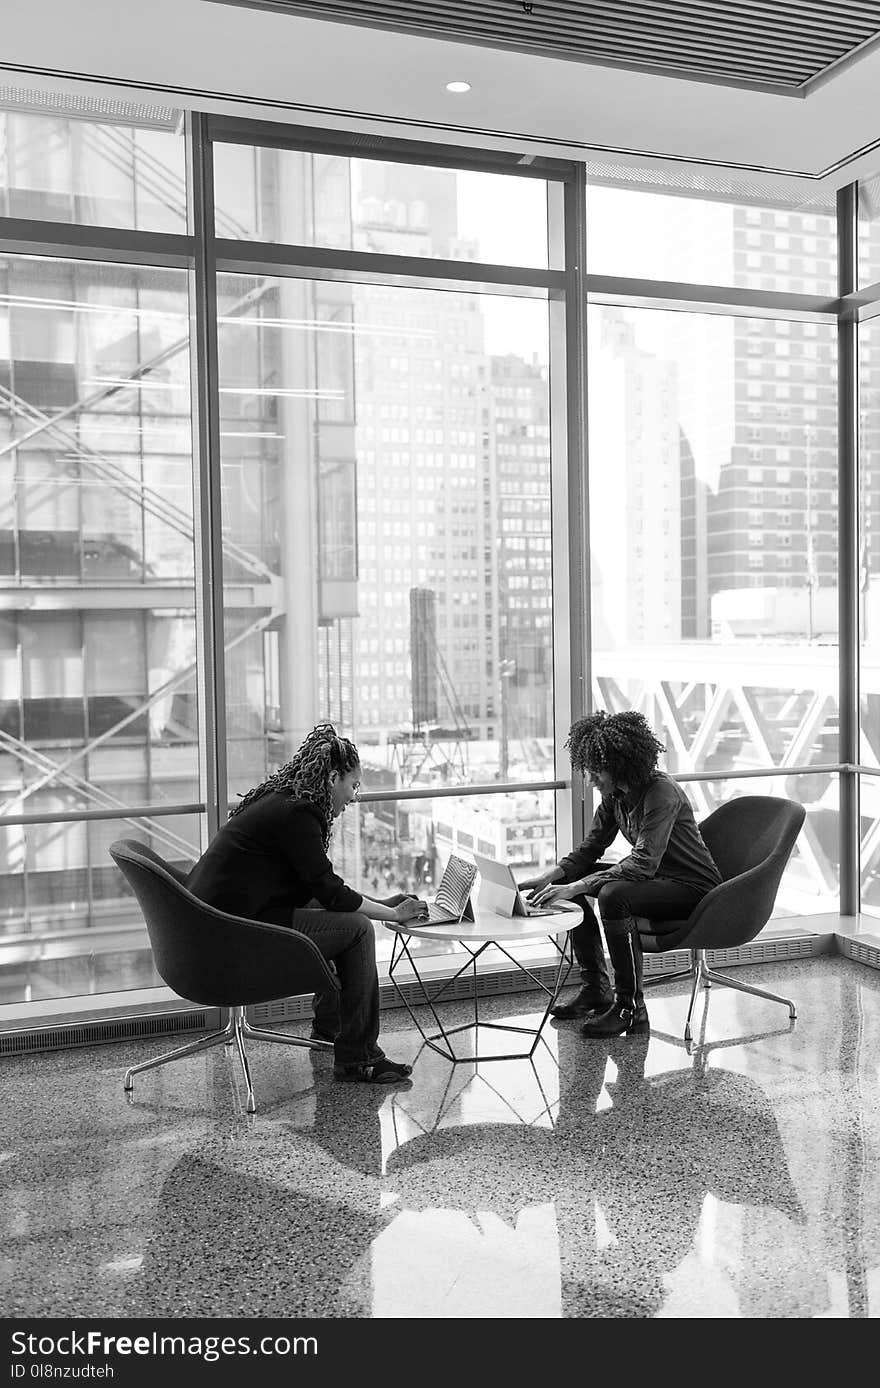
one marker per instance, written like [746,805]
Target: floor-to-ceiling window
[387,453]
[869,545]
[99,732]
[390,474]
[714,499]
[383,453]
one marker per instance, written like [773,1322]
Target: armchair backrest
[751,839]
[208,956]
[179,871]
[747,831]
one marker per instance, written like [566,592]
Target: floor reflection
[638,1177]
[632,1168]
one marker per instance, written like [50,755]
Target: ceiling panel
[781,45]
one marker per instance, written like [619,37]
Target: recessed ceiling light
[458,86]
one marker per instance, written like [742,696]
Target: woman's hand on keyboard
[556,891]
[411,908]
[534,885]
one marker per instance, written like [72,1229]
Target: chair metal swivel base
[701,973]
[233,1034]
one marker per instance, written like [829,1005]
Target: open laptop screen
[452,901]
[499,891]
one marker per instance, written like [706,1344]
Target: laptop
[499,890]
[452,901]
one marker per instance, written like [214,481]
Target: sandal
[381,1071]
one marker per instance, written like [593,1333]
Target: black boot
[596,993]
[627,1014]
[622,1019]
[592,997]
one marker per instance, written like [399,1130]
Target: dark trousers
[348,940]
[619,901]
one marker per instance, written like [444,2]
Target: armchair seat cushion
[751,839]
[657,936]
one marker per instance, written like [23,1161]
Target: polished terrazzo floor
[631,1178]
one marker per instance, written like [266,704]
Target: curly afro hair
[620,743]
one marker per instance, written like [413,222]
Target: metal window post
[848,547]
[580,627]
[206,445]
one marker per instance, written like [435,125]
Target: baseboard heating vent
[767,951]
[269,1014]
[860,951]
[297,1009]
[63,1037]
[673,962]
[512,981]
[758,951]
[488,985]
[507,981]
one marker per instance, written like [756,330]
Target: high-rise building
[519,446]
[635,487]
[772,522]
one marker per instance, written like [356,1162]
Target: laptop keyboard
[437,916]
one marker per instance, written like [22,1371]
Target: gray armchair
[217,960]
[751,839]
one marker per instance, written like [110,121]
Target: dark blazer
[269,859]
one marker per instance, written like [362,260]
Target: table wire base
[440,1041]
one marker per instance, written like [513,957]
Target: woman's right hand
[537,884]
[410,909]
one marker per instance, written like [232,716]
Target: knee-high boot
[595,994]
[628,1012]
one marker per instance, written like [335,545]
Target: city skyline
[374,446]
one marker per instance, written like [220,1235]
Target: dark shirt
[267,860]
[660,825]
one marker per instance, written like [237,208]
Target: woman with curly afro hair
[668,870]
[269,862]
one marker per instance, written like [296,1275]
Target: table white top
[491,925]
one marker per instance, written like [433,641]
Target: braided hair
[620,743]
[307,775]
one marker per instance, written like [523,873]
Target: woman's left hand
[397,898]
[556,891]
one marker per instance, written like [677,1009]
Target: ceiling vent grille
[73,106]
[707,183]
[783,45]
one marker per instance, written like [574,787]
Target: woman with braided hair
[667,872]
[269,862]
